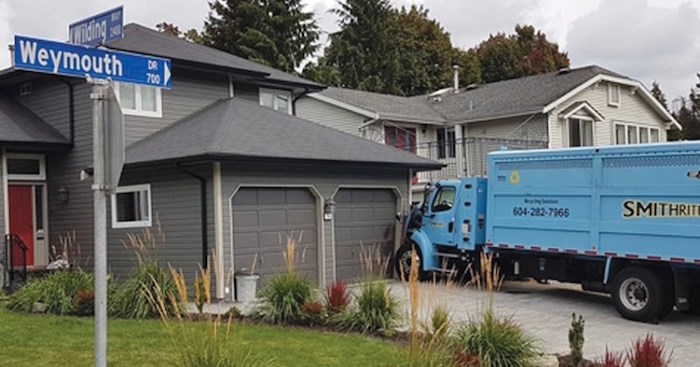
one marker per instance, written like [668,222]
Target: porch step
[448,255]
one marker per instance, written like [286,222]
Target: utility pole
[100,192]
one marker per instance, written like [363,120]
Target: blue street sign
[79,61]
[98,29]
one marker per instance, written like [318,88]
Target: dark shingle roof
[144,40]
[387,106]
[512,97]
[486,101]
[243,129]
[20,125]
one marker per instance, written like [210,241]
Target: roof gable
[20,125]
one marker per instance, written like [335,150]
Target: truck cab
[446,228]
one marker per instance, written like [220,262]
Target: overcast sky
[644,39]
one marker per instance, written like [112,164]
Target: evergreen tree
[278,33]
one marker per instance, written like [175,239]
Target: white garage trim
[319,224]
[218,231]
[399,208]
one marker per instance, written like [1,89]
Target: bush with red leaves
[337,297]
[648,352]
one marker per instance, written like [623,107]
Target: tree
[169,28]
[672,134]
[364,51]
[382,49]
[277,33]
[526,52]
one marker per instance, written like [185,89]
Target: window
[25,166]
[444,199]
[401,138]
[580,132]
[139,100]
[634,134]
[613,95]
[446,143]
[131,207]
[278,100]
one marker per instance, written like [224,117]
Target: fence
[472,153]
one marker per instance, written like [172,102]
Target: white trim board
[627,82]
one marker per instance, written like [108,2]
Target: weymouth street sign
[78,61]
[98,29]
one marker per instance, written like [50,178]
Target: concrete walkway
[544,311]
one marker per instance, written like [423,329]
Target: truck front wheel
[403,262]
[640,295]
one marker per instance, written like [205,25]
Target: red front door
[22,221]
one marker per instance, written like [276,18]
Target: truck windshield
[444,199]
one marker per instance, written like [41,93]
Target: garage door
[262,220]
[364,222]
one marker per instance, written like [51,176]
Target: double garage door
[264,217]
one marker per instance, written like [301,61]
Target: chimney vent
[455,87]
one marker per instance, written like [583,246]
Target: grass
[41,340]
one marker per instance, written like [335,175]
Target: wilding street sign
[98,29]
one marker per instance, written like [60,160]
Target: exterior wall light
[63,194]
[328,209]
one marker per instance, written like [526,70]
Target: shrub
[58,291]
[131,301]
[440,322]
[576,339]
[611,359]
[312,313]
[648,352]
[377,310]
[497,342]
[284,297]
[337,297]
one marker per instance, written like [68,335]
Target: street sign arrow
[58,58]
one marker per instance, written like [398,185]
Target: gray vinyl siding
[190,93]
[511,128]
[324,182]
[326,114]
[2,212]
[246,91]
[49,100]
[175,208]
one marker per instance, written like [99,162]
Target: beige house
[587,106]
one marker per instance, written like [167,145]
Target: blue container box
[640,201]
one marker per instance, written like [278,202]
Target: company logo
[659,209]
[515,178]
[694,174]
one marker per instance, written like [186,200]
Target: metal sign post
[100,193]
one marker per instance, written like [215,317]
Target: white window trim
[42,166]
[132,224]
[617,88]
[158,113]
[568,130]
[638,126]
[275,92]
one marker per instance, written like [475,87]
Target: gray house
[587,106]
[220,163]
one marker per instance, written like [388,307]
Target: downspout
[71,109]
[203,211]
[295,99]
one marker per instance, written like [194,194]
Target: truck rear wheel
[403,262]
[640,295]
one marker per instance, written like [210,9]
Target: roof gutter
[496,117]
[71,109]
[203,212]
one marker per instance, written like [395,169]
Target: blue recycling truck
[624,220]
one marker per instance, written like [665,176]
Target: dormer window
[278,100]
[613,95]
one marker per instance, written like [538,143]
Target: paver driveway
[544,311]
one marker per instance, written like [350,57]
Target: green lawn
[38,340]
